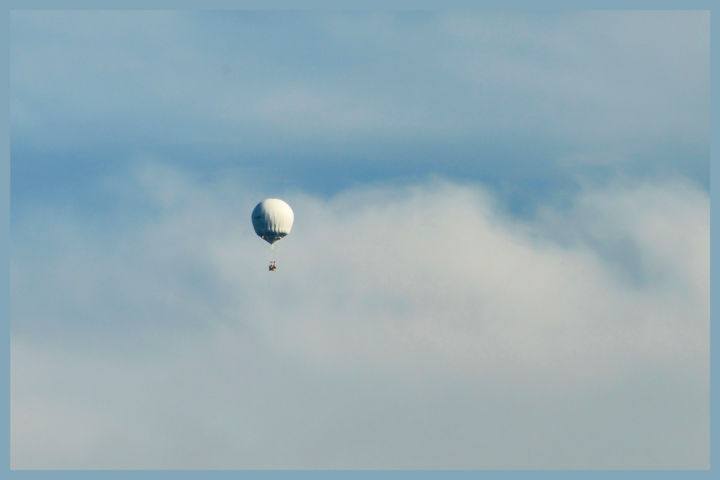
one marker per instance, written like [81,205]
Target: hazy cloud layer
[323,101]
[406,327]
[576,77]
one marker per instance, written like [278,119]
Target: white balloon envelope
[272,219]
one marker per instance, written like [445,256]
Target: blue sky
[515,200]
[521,102]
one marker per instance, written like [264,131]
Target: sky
[500,256]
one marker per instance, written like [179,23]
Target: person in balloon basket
[272,266]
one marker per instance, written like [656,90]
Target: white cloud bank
[406,327]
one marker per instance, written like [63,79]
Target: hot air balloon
[272,220]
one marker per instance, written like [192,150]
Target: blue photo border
[346,5]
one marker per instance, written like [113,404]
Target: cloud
[629,86]
[415,326]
